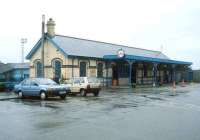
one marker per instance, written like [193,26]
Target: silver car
[41,87]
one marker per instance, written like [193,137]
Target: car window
[81,80]
[44,81]
[76,81]
[27,82]
[22,83]
[33,83]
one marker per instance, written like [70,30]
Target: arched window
[100,70]
[38,69]
[57,65]
[83,66]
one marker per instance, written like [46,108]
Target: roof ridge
[108,43]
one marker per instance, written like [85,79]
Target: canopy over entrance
[145,59]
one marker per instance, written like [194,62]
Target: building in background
[2,77]
[66,57]
[196,75]
[14,72]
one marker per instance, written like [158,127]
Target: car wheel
[82,92]
[43,95]
[63,96]
[20,94]
[96,93]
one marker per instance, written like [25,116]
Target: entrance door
[115,75]
[83,69]
[134,73]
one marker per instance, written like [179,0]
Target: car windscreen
[93,80]
[78,80]
[26,82]
[45,82]
[68,81]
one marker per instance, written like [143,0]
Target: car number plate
[62,92]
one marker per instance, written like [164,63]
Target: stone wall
[70,66]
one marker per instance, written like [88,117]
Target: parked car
[41,87]
[84,85]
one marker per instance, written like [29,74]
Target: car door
[75,85]
[26,87]
[35,89]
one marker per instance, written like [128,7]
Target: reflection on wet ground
[120,113]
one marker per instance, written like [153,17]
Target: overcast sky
[149,24]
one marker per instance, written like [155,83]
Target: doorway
[134,73]
[83,66]
[115,76]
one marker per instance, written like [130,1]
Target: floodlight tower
[23,41]
[43,38]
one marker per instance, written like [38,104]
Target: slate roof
[72,46]
[11,66]
[89,48]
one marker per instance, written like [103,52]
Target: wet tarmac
[117,114]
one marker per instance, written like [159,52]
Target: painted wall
[16,75]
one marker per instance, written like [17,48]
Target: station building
[65,57]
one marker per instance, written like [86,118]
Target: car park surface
[117,114]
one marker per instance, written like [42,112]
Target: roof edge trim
[38,45]
[57,46]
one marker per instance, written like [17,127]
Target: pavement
[7,96]
[121,114]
